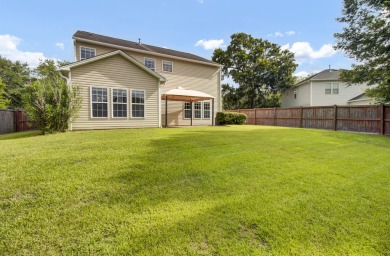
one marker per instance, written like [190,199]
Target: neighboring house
[121,84]
[323,89]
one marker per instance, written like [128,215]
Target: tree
[49,102]
[15,76]
[259,67]
[230,98]
[367,39]
[3,101]
[48,68]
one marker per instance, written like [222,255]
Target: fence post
[335,118]
[255,117]
[383,119]
[301,117]
[274,116]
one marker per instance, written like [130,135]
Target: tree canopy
[261,69]
[366,38]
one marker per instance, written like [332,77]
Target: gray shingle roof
[143,47]
[327,74]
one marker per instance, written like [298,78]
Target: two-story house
[323,89]
[126,84]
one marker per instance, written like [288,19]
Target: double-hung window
[167,66]
[99,102]
[187,110]
[335,88]
[86,53]
[119,103]
[331,88]
[137,103]
[198,110]
[150,63]
[206,110]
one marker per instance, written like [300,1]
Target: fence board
[6,121]
[369,119]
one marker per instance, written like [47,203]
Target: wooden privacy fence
[13,121]
[370,119]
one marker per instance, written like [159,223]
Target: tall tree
[230,99]
[366,38]
[259,67]
[14,75]
[3,101]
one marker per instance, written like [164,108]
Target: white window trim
[162,66]
[201,111]
[88,48]
[154,60]
[184,111]
[131,103]
[331,88]
[90,101]
[112,102]
[208,110]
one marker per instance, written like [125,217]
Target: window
[86,53]
[335,88]
[295,94]
[119,103]
[167,66]
[137,103]
[206,110]
[331,88]
[187,110]
[150,63]
[328,88]
[198,110]
[99,102]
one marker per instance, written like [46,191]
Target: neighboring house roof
[138,47]
[360,97]
[109,54]
[327,74]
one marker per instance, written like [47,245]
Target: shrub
[223,118]
[50,104]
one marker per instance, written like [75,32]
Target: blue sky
[33,30]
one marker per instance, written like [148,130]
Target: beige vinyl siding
[303,97]
[114,72]
[186,74]
[345,93]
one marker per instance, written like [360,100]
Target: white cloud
[9,49]
[210,44]
[60,45]
[304,52]
[280,34]
[200,1]
[302,74]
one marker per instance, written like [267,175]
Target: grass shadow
[20,135]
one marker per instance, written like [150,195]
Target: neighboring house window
[335,88]
[295,94]
[187,109]
[119,103]
[86,53]
[331,88]
[137,103]
[206,110]
[198,110]
[99,102]
[150,63]
[167,66]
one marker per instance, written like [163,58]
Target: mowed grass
[238,190]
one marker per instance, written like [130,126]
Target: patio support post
[166,111]
[212,112]
[191,112]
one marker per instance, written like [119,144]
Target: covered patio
[186,95]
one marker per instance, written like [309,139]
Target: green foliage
[48,68]
[236,190]
[258,66]
[223,118]
[3,101]
[50,104]
[366,39]
[15,76]
[230,99]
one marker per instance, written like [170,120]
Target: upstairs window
[167,66]
[86,53]
[335,88]
[99,101]
[119,103]
[295,94]
[150,63]
[331,88]
[328,88]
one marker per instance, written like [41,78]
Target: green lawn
[239,190]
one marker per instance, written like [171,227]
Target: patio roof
[181,94]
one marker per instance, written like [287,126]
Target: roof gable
[109,54]
[327,74]
[139,47]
